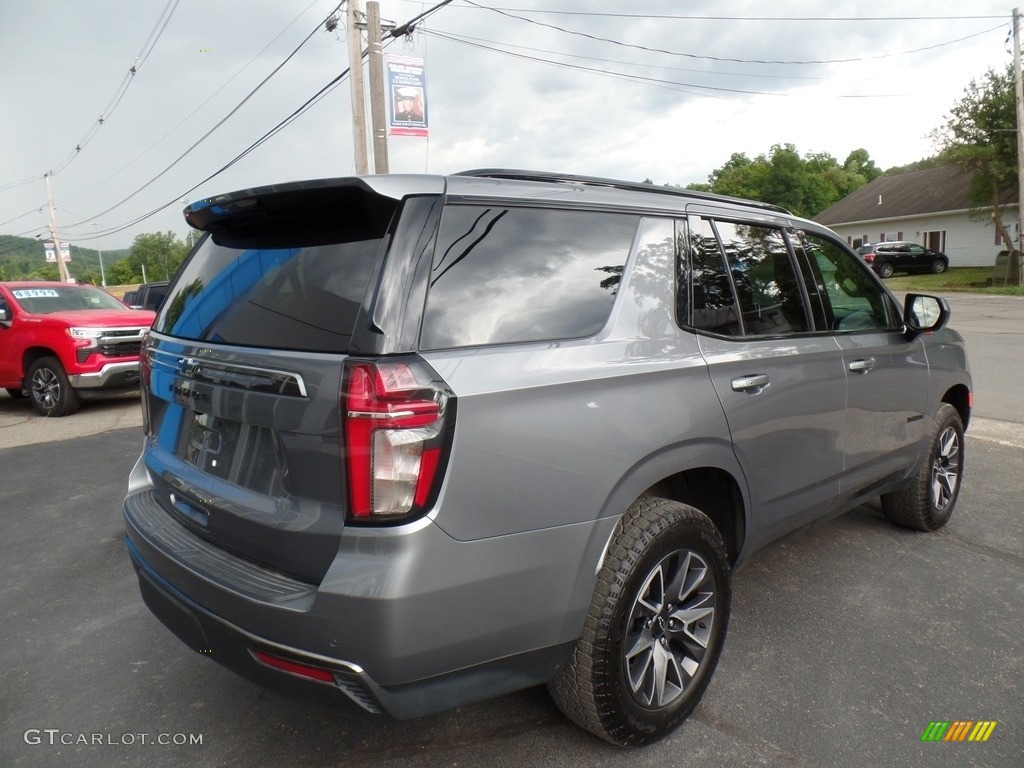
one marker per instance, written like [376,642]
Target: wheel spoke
[652,596]
[668,678]
[638,666]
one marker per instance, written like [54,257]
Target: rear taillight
[394,426]
[869,257]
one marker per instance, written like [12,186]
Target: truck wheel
[655,628]
[928,503]
[50,389]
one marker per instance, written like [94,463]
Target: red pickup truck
[60,342]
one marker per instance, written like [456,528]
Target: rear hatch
[243,370]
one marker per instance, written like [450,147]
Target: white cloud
[64,58]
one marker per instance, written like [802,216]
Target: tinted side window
[504,275]
[713,302]
[857,302]
[766,283]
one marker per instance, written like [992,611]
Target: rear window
[503,275]
[302,298]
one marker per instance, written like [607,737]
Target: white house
[928,207]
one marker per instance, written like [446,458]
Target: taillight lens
[869,257]
[394,433]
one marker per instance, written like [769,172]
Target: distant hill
[23,257]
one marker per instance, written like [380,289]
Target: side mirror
[924,314]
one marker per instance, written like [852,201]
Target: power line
[122,89]
[309,103]
[650,49]
[402,30]
[653,81]
[26,213]
[703,17]
[483,42]
[138,157]
[210,132]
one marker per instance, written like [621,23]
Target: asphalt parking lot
[843,644]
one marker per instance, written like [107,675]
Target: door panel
[786,432]
[885,417]
[782,386]
[887,376]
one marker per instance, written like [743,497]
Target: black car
[149,295]
[901,256]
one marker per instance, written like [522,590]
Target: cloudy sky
[666,89]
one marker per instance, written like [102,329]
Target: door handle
[752,384]
[862,366]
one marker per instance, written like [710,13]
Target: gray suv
[414,441]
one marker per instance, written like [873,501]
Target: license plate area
[241,454]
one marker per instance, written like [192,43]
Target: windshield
[64,298]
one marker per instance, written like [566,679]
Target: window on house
[935,240]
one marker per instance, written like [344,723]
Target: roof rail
[594,181]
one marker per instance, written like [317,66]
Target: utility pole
[378,117]
[103,275]
[1019,93]
[62,268]
[355,78]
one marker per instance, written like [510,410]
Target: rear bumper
[233,647]
[407,623]
[352,690]
[110,376]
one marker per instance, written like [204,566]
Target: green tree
[980,138]
[860,166]
[161,252]
[804,186]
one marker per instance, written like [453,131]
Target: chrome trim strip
[379,414]
[103,376]
[199,363]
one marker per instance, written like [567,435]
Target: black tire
[16,394]
[928,503]
[50,389]
[663,593]
[939,266]
[885,270]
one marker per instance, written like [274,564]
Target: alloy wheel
[46,388]
[945,468]
[669,628]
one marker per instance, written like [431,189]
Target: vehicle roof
[492,183]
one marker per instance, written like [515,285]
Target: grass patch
[967,279]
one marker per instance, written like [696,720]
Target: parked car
[414,441]
[149,295]
[900,256]
[61,342]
